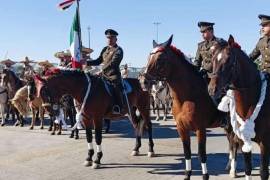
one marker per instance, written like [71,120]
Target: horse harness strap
[4,91]
[84,101]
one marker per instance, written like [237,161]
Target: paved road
[36,155]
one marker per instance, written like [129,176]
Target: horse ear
[168,43]
[231,41]
[155,44]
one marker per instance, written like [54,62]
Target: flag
[75,41]
[66,4]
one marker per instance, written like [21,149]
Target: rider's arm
[98,61]
[255,53]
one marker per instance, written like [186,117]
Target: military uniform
[263,47]
[203,59]
[111,57]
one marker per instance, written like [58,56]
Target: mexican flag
[75,41]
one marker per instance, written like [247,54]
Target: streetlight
[88,29]
[157,24]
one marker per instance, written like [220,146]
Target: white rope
[246,131]
[79,119]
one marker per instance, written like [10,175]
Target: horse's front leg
[2,108]
[265,152]
[248,164]
[98,136]
[201,135]
[33,122]
[231,166]
[165,108]
[41,114]
[185,137]
[89,137]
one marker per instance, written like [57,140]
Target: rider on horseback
[263,46]
[111,57]
[203,60]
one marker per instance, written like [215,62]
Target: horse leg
[265,151]
[2,108]
[108,125]
[60,128]
[70,115]
[231,166]
[201,135]
[33,122]
[51,124]
[89,137]
[53,128]
[158,116]
[248,165]
[151,152]
[41,114]
[185,137]
[98,136]
[165,112]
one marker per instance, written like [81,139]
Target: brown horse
[98,105]
[232,69]
[193,108]
[12,83]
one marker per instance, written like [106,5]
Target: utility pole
[157,24]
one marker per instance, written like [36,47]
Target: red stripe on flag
[76,64]
[66,2]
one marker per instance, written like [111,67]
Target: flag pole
[79,23]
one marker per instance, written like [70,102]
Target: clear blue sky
[36,28]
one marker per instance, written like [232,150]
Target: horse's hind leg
[201,135]
[265,152]
[41,114]
[89,137]
[108,125]
[231,166]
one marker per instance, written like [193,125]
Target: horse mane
[16,78]
[183,59]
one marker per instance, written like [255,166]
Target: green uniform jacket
[111,58]
[203,57]
[262,48]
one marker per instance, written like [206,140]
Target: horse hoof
[41,127]
[95,166]
[31,128]
[157,119]
[135,153]
[187,175]
[76,137]
[150,154]
[2,125]
[205,176]
[233,174]
[87,163]
[59,133]
[50,129]
[53,133]
[71,136]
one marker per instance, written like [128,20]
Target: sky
[38,29]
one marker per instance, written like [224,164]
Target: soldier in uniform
[111,57]
[263,46]
[203,59]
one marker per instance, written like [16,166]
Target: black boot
[118,99]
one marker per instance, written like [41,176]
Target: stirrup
[116,109]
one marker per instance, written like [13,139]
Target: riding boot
[118,100]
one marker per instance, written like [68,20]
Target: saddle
[127,88]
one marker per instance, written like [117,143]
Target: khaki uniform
[203,57]
[111,58]
[262,48]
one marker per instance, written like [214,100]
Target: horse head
[5,77]
[39,87]
[224,67]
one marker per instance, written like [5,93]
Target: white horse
[3,103]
